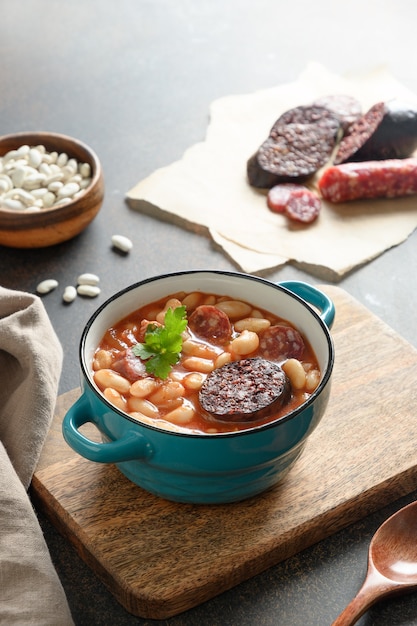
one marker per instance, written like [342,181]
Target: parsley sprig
[163,344]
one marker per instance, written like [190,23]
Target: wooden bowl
[49,226]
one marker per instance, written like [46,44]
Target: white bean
[12,204]
[295,372]
[143,387]
[68,190]
[122,243]
[32,169]
[70,293]
[245,343]
[182,414]
[108,378]
[198,364]
[47,285]
[35,157]
[91,291]
[234,308]
[88,279]
[256,324]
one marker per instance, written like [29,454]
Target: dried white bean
[12,204]
[47,285]
[88,290]
[35,157]
[33,169]
[68,190]
[88,279]
[18,175]
[22,150]
[122,243]
[54,183]
[6,181]
[20,194]
[85,170]
[70,293]
[48,199]
[62,159]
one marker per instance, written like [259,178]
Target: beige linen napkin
[30,367]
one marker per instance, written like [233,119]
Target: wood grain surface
[160,558]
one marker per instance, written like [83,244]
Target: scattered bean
[88,290]
[47,285]
[88,279]
[70,293]
[121,243]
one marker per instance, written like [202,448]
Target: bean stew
[239,366]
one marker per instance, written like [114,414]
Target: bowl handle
[132,445]
[313,296]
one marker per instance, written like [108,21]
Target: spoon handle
[365,598]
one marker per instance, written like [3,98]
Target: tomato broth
[219,330]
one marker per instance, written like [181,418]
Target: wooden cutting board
[160,558]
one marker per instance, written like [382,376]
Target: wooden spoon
[392,564]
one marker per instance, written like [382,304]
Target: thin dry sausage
[281,342]
[209,322]
[369,179]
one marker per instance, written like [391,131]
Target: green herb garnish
[163,344]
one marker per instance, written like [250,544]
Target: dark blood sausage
[280,342]
[245,390]
[387,131]
[299,143]
[347,108]
[297,202]
[210,323]
[130,366]
[359,134]
[370,179]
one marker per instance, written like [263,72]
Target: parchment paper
[207,190]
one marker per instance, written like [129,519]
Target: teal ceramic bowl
[206,468]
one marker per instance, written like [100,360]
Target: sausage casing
[391,178]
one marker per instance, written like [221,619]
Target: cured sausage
[303,206]
[369,179]
[387,131]
[299,143]
[130,366]
[245,390]
[211,323]
[297,202]
[278,196]
[281,342]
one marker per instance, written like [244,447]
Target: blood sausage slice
[209,322]
[347,108]
[387,131]
[245,390]
[299,143]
